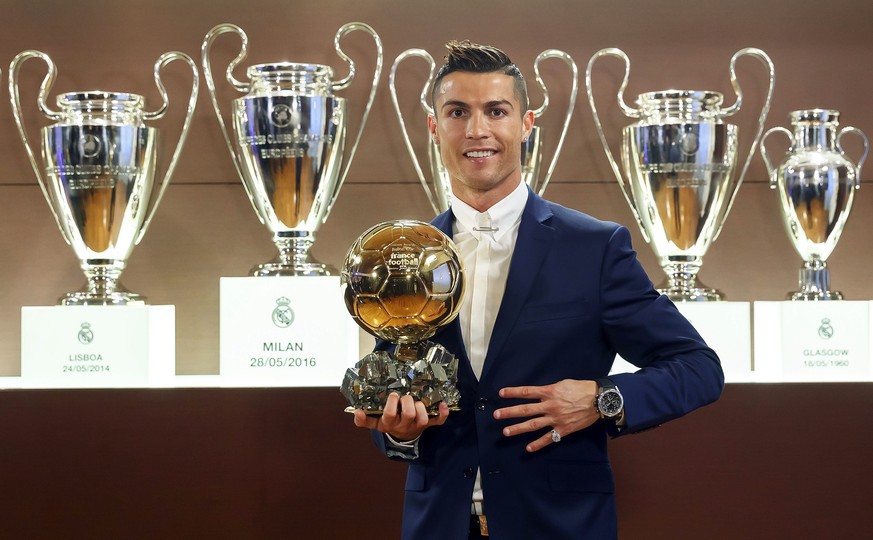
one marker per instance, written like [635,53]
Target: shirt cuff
[401,449]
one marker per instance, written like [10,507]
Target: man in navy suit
[552,296]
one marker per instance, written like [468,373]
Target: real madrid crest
[283,315]
[85,335]
[826,331]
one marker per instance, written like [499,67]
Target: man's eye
[457,113]
[498,112]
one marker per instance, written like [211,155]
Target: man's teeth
[480,153]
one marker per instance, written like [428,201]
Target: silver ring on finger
[556,437]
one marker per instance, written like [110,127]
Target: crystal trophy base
[424,370]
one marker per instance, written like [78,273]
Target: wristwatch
[608,401]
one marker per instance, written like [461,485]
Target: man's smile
[479,153]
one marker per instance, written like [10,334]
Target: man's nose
[477,127]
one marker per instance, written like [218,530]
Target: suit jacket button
[469,472]
[482,404]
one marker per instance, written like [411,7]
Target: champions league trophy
[99,164]
[816,183]
[439,190]
[288,145]
[679,162]
[402,281]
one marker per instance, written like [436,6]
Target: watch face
[610,402]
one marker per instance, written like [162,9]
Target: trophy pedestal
[277,268]
[102,293]
[812,341]
[692,294]
[294,259]
[682,285]
[732,341]
[815,282]
[98,346]
[284,331]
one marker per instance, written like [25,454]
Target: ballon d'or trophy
[679,170]
[439,191]
[98,175]
[816,183]
[289,133]
[402,281]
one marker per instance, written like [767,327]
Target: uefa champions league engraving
[98,173]
[289,133]
[679,170]
[402,281]
[816,183]
[439,190]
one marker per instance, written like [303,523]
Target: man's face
[479,126]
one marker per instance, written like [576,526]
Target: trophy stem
[815,281]
[103,287]
[682,284]
[294,258]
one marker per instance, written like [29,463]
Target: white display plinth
[97,346]
[726,328]
[812,341]
[285,331]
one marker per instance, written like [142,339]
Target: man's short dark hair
[475,58]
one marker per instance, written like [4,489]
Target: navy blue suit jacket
[575,296]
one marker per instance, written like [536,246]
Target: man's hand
[403,418]
[565,406]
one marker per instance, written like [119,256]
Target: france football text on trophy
[679,162]
[289,144]
[816,184]
[439,190]
[402,281]
[98,175]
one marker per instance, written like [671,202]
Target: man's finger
[519,411]
[524,392]
[364,421]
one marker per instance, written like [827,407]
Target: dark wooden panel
[766,461]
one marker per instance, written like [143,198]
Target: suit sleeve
[678,371]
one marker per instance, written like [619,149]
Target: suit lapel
[533,244]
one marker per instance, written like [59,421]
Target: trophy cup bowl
[439,189]
[679,164]
[402,281]
[288,145]
[816,183]
[100,162]
[680,176]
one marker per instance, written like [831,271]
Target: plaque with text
[285,331]
[822,341]
[826,341]
[97,346]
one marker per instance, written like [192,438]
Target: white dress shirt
[486,242]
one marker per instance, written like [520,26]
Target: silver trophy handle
[420,53]
[762,56]
[850,129]
[344,83]
[165,59]
[628,111]
[239,86]
[15,100]
[771,171]
[554,53]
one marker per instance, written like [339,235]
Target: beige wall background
[206,229]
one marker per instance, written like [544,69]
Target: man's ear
[432,127]
[527,122]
